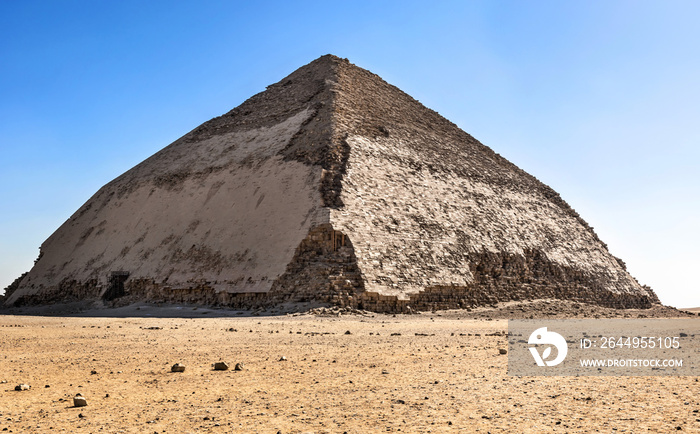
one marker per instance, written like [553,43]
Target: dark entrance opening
[338,239]
[116,285]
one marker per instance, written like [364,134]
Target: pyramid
[331,186]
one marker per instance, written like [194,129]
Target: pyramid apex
[333,57]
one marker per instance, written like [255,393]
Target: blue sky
[598,99]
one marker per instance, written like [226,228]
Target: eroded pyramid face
[332,186]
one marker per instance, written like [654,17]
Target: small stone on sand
[79,401]
[220,366]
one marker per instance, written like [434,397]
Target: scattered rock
[337,311]
[79,401]
[220,366]
[348,332]
[238,367]
[502,351]
[22,386]
[178,367]
[283,359]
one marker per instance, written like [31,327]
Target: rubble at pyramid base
[324,272]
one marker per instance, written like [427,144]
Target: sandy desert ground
[356,373]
